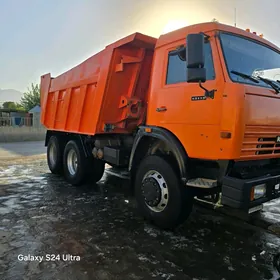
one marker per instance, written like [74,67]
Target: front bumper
[236,192]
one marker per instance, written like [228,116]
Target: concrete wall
[23,133]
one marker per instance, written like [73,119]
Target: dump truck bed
[105,93]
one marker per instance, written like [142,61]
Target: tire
[95,170]
[175,202]
[55,155]
[75,164]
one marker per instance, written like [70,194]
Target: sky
[52,36]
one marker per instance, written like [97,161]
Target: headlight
[258,191]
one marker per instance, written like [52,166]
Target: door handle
[161,109]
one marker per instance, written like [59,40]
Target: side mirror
[196,75]
[195,58]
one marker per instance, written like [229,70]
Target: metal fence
[16,121]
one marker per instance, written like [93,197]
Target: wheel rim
[72,162]
[155,191]
[52,154]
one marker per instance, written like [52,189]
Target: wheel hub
[155,191]
[72,162]
[151,191]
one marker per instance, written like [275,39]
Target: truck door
[179,106]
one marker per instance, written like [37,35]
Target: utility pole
[235,17]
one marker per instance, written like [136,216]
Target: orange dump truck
[186,115]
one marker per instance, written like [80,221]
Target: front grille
[260,141]
[264,149]
[276,151]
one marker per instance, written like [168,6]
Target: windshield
[250,58]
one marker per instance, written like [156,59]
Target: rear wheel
[75,163]
[55,155]
[160,195]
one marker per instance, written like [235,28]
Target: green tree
[12,105]
[31,98]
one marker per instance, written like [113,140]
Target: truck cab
[208,96]
[218,125]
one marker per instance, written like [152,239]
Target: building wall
[19,134]
[37,120]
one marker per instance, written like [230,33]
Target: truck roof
[180,34]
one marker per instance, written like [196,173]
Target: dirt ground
[95,232]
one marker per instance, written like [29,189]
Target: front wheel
[160,195]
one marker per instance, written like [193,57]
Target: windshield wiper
[271,83]
[256,80]
[245,76]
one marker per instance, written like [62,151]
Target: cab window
[177,66]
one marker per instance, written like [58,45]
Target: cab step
[118,172]
[202,183]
